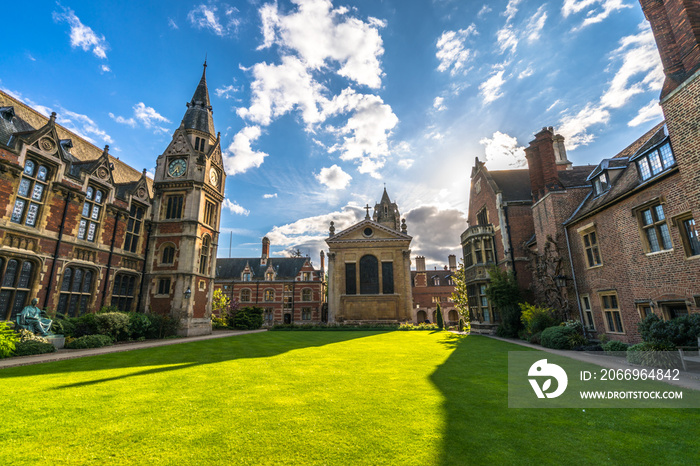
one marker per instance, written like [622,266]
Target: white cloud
[320,35]
[511,9]
[82,36]
[124,121]
[243,156]
[507,39]
[491,88]
[438,103]
[334,177]
[208,17]
[503,152]
[406,163]
[270,196]
[148,116]
[227,92]
[526,73]
[451,50]
[536,24]
[596,11]
[484,10]
[235,208]
[574,127]
[649,112]
[172,24]
[435,232]
[554,104]
[105,68]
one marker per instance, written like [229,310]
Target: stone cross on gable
[367,208]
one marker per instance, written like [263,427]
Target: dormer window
[246,276]
[269,276]
[656,161]
[30,195]
[601,184]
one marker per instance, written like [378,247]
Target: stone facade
[369,278]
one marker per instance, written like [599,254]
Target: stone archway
[421,316]
[452,316]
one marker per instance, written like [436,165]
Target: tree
[295,253]
[220,303]
[460,297]
[440,323]
[546,267]
[504,293]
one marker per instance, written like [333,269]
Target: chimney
[323,263]
[563,162]
[452,260]
[676,28]
[542,163]
[420,264]
[265,250]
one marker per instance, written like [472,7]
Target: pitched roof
[199,114]
[442,274]
[513,184]
[28,119]
[286,268]
[637,145]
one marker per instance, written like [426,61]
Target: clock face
[213,176]
[177,167]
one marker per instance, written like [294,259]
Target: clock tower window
[204,255]
[174,207]
[210,216]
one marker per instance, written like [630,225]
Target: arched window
[269,295]
[369,275]
[123,292]
[245,295]
[168,255]
[30,194]
[306,294]
[76,289]
[16,276]
[204,255]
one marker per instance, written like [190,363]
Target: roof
[430,274]
[199,114]
[513,184]
[628,178]
[637,145]
[28,119]
[576,177]
[286,268]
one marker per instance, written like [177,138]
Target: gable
[368,230]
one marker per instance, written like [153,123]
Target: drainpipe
[143,269]
[510,241]
[109,260]
[573,277]
[58,245]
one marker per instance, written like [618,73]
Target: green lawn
[315,398]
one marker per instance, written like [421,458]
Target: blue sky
[320,104]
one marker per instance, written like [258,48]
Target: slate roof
[514,184]
[576,177]
[28,119]
[430,274]
[626,178]
[286,268]
[199,114]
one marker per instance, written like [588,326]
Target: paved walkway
[599,358]
[72,354]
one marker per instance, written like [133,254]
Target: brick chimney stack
[265,250]
[323,263]
[542,162]
[452,260]
[676,28]
[420,264]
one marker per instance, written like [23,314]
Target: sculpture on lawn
[34,319]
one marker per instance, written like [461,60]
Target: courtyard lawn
[315,398]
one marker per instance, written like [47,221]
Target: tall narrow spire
[199,111]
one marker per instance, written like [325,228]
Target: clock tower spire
[188,193]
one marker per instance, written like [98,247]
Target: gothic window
[306,294]
[16,282]
[163,287]
[199,144]
[210,214]
[269,295]
[204,255]
[245,295]
[133,228]
[350,281]
[168,255]
[369,275]
[123,292]
[91,214]
[173,208]
[76,289]
[387,277]
[30,194]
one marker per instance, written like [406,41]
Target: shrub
[577,340]
[62,326]
[139,325]
[536,318]
[440,323]
[421,326]
[511,322]
[26,335]
[106,309]
[218,322]
[248,318]
[461,325]
[113,324]
[653,355]
[681,331]
[89,341]
[83,325]
[536,338]
[162,326]
[30,347]
[557,337]
[8,340]
[615,346]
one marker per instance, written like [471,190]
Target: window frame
[133,227]
[249,294]
[124,302]
[612,315]
[587,309]
[269,295]
[86,221]
[662,161]
[657,226]
[83,294]
[591,246]
[164,249]
[307,295]
[13,290]
[173,206]
[204,254]
[686,240]
[29,199]
[161,284]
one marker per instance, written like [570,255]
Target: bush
[653,355]
[577,340]
[218,322]
[511,322]
[139,325]
[536,338]
[106,309]
[248,318]
[557,337]
[113,324]
[162,326]
[89,341]
[422,326]
[536,318]
[26,335]
[8,340]
[681,331]
[615,346]
[62,326]
[30,347]
[440,323]
[83,325]
[461,325]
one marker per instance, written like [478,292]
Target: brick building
[79,229]
[433,287]
[290,289]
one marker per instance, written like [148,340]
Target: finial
[106,149]
[53,117]
[367,208]
[143,172]
[332,229]
[404,229]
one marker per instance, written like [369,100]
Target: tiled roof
[442,274]
[648,137]
[514,184]
[286,268]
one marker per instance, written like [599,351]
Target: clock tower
[184,232]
